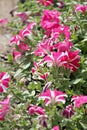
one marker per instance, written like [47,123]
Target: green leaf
[77,81]
[18,72]
[83,123]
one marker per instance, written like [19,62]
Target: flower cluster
[54,51]
[19,41]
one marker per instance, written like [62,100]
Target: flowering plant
[48,68]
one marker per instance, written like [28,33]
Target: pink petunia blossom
[69,60]
[53,59]
[44,76]
[45,2]
[15,40]
[16,54]
[23,47]
[22,34]
[5,105]
[62,46]
[61,31]
[79,100]
[4,81]
[36,66]
[60,4]
[3,21]
[38,72]
[35,110]
[81,8]
[27,30]
[44,48]
[23,16]
[42,119]
[55,128]
[50,20]
[68,111]
[52,97]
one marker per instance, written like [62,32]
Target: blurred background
[5,7]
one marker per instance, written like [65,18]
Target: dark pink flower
[81,8]
[22,34]
[61,31]
[23,47]
[36,67]
[44,76]
[23,16]
[38,72]
[70,60]
[5,105]
[53,59]
[35,110]
[15,40]
[79,100]
[16,54]
[43,120]
[62,46]
[60,4]
[44,48]
[55,128]
[50,20]
[68,111]
[45,2]
[3,21]
[52,97]
[27,30]
[4,81]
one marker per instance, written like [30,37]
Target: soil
[5,7]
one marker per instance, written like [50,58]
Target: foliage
[47,67]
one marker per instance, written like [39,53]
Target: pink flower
[4,20]
[70,60]
[63,46]
[61,31]
[50,20]
[79,100]
[16,54]
[15,40]
[60,4]
[38,72]
[4,81]
[55,128]
[5,104]
[27,30]
[44,48]
[68,111]
[45,2]
[35,110]
[23,16]
[23,47]
[36,67]
[44,76]
[52,97]
[23,33]
[53,59]
[81,8]
[43,120]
